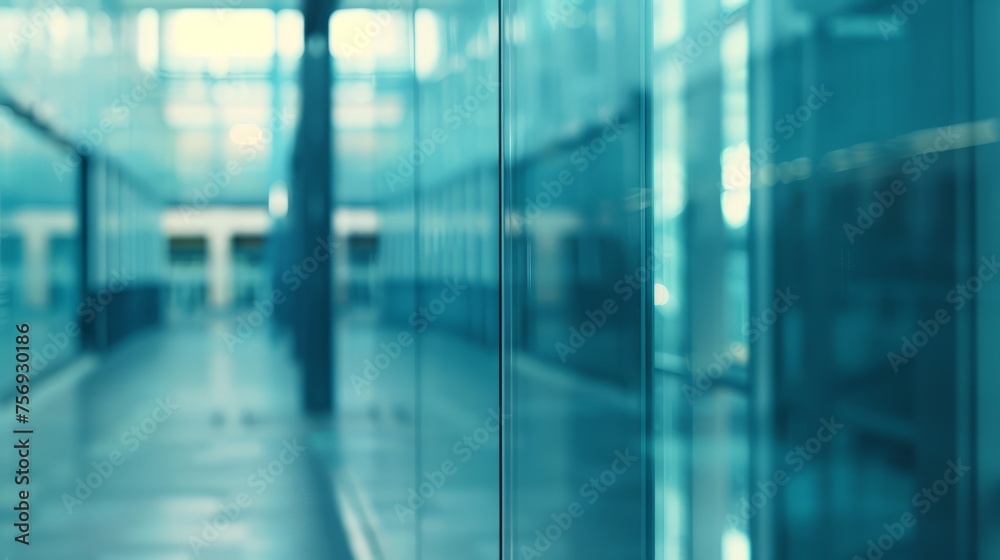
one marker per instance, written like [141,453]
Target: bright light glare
[202,34]
[58,28]
[736,208]
[362,38]
[246,134]
[735,545]
[736,170]
[661,295]
[277,200]
[669,174]
[736,174]
[290,34]
[428,35]
[669,26]
[148,31]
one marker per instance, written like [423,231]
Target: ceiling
[185,99]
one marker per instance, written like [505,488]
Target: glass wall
[457,276]
[73,301]
[870,171]
[818,321]
[725,229]
[417,366]
[702,338]
[127,253]
[40,244]
[576,272]
[374,126]
[985,414]
[704,280]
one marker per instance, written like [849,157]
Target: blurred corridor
[518,279]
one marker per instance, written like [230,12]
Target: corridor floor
[173,448]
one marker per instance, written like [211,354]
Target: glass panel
[827,153]
[720,468]
[373,120]
[578,274]
[39,247]
[849,133]
[701,304]
[670,296]
[417,128]
[672,448]
[457,75]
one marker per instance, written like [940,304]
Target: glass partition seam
[506,548]
[649,447]
[502,297]
[417,235]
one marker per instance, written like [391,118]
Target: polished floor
[136,454]
[172,447]
[561,430]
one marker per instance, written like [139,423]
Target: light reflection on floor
[182,468]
